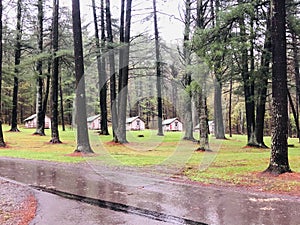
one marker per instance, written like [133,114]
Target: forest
[236,64]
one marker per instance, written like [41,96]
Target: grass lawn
[229,163]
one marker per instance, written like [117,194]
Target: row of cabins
[136,123]
[132,123]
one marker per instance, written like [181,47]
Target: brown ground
[17,204]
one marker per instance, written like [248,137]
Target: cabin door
[176,126]
[138,125]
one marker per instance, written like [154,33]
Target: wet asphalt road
[133,195]
[56,210]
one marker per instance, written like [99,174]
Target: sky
[170,28]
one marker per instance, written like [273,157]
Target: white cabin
[135,123]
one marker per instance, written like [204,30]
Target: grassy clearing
[228,164]
[236,165]
[25,145]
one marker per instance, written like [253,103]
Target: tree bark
[279,162]
[83,143]
[248,87]
[112,75]
[123,90]
[295,115]
[230,107]
[218,112]
[158,74]
[62,113]
[103,91]
[262,87]
[14,118]
[55,73]
[203,125]
[101,67]
[2,142]
[40,126]
[188,115]
[297,76]
[47,88]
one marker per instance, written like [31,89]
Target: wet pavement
[140,197]
[56,210]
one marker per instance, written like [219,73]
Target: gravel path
[17,203]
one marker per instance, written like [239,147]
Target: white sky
[171,30]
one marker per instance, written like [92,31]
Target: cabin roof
[92,118]
[32,117]
[169,121]
[131,119]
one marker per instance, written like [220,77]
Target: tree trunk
[115,102]
[47,87]
[262,83]
[14,118]
[203,125]
[83,143]
[62,113]
[248,87]
[188,115]
[297,75]
[158,74]
[279,162]
[218,112]
[230,108]
[293,111]
[2,142]
[101,67]
[174,73]
[103,91]
[55,73]
[40,126]
[121,51]
[112,75]
[123,91]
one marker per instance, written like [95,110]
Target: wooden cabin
[173,124]
[94,122]
[31,121]
[135,123]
